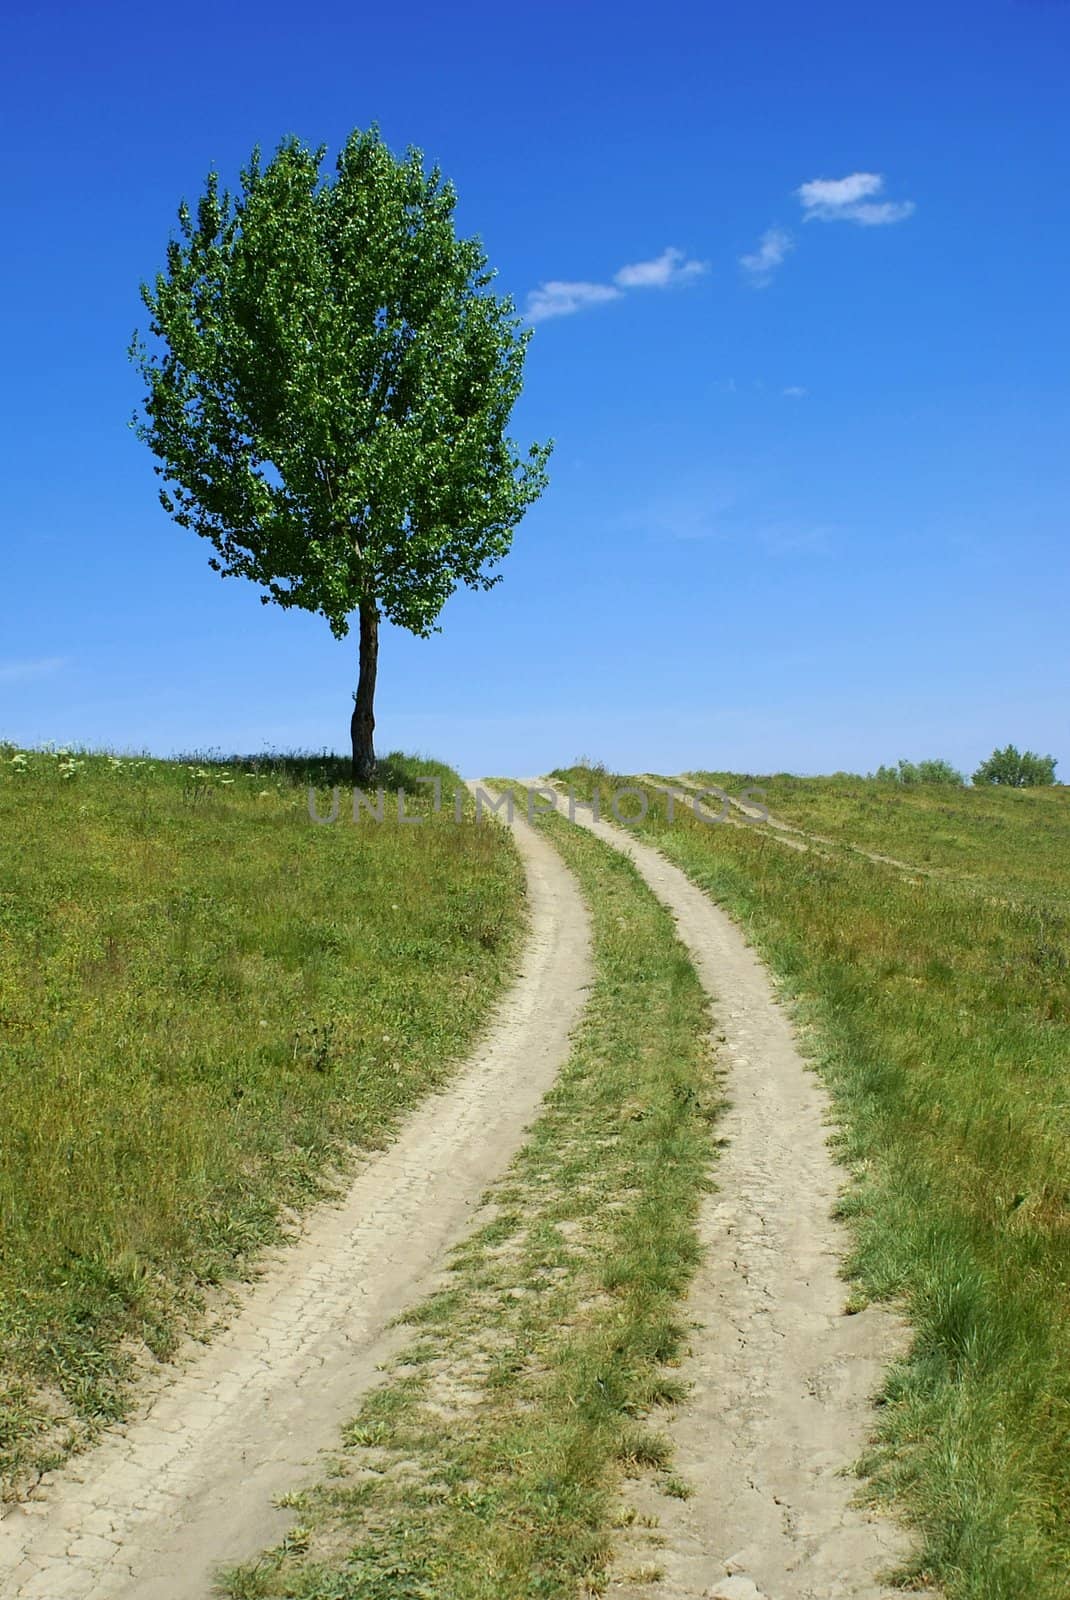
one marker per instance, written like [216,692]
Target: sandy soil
[782,1378]
[190,1484]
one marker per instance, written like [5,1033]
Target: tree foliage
[1019,769]
[331,384]
[913,772]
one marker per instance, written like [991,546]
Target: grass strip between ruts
[489,1463]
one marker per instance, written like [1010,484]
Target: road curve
[157,1506]
[781,1377]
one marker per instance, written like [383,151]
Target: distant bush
[1020,769]
[588,764]
[911,772]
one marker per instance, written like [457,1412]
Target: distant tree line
[1016,769]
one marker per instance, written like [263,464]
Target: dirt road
[157,1506]
[781,1377]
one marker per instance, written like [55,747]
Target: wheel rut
[191,1483]
[795,838]
[782,1379]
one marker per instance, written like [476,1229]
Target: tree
[912,772]
[1020,769]
[330,390]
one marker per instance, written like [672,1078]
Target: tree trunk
[362,727]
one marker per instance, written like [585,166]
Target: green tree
[912,772]
[1020,769]
[329,392]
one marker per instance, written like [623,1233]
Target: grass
[937,1008]
[1009,840]
[208,1005]
[490,1463]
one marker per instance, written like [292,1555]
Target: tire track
[782,1378]
[789,834]
[158,1505]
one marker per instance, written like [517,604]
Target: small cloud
[558,299]
[795,391]
[760,265]
[875,216]
[851,199]
[837,192]
[24,671]
[562,299]
[670,268]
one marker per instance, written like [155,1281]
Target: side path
[159,1505]
[788,834]
[682,788]
[781,1377]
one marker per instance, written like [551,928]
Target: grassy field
[1003,839]
[937,1009]
[493,1460]
[207,1004]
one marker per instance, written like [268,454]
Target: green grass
[207,1005]
[490,1463]
[938,1010]
[1007,839]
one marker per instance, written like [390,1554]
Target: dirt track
[786,833]
[781,1377]
[157,1506]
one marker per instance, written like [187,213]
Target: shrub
[911,772]
[1019,769]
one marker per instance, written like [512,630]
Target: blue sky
[808,504]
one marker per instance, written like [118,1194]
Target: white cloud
[875,216]
[562,299]
[558,299]
[834,192]
[671,267]
[760,264]
[23,671]
[795,391]
[851,199]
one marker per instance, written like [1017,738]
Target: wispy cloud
[760,264]
[24,671]
[795,391]
[670,268]
[851,199]
[560,298]
[778,536]
[727,512]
